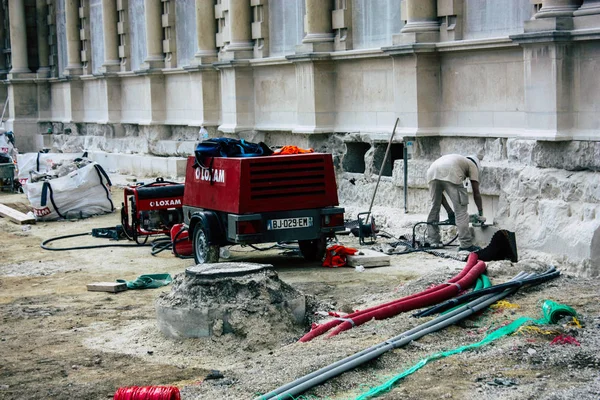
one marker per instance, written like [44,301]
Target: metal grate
[286,178]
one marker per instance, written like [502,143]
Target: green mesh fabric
[551,313]
[149,281]
[483,282]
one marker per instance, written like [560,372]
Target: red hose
[147,393]
[320,329]
[419,302]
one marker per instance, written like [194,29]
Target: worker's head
[476,159]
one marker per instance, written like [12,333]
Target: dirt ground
[60,341]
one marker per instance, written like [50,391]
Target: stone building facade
[518,78]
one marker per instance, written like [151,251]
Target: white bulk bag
[80,194]
[40,162]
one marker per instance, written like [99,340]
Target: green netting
[483,282]
[551,313]
[149,281]
[554,311]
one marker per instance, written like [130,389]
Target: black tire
[313,250]
[204,252]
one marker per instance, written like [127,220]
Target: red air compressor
[261,199]
[152,209]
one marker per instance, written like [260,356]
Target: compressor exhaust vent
[283,178]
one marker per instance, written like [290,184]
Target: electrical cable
[314,378]
[551,273]
[422,298]
[161,244]
[98,246]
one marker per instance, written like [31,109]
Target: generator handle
[159,180]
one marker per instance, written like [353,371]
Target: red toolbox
[261,184]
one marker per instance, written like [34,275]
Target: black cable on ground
[536,280]
[161,244]
[97,246]
[427,250]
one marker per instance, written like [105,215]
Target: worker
[446,175]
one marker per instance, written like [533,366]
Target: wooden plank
[368,258]
[112,287]
[15,216]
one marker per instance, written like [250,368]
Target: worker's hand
[476,219]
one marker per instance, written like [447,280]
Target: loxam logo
[165,203]
[41,212]
[218,175]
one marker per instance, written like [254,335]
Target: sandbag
[80,194]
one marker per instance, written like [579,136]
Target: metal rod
[3,111]
[383,164]
[405,155]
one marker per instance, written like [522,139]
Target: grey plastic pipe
[306,382]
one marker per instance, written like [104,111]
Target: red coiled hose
[147,393]
[471,262]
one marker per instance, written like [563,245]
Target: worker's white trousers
[460,200]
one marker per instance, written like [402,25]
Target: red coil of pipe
[147,393]
[320,329]
[419,302]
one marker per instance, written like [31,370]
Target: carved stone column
[557,8]
[422,23]
[18,37]
[41,8]
[74,66]
[154,35]
[317,24]
[589,7]
[240,43]
[111,63]
[206,28]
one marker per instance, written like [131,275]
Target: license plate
[290,223]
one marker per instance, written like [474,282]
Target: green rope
[551,313]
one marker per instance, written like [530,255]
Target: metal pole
[405,155]
[3,111]
[383,164]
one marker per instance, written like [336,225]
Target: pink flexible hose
[418,302]
[319,330]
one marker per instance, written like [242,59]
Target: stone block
[368,258]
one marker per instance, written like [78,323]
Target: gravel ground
[58,341]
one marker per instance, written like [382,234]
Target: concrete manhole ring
[225,270]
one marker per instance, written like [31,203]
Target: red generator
[152,209]
[266,199]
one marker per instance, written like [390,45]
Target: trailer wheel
[313,250]
[204,252]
